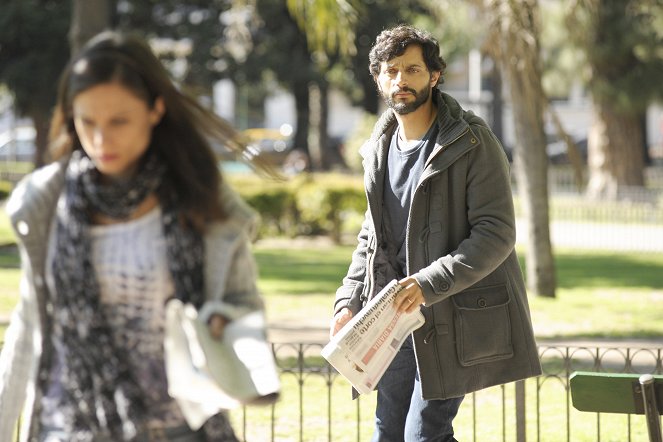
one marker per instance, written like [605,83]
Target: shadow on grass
[9,257]
[301,272]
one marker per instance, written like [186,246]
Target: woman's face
[114,127]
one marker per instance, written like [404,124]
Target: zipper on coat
[444,146]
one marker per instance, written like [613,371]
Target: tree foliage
[200,42]
[622,41]
[33,50]
[329,25]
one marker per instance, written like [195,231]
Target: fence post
[521,422]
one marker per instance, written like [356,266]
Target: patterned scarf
[100,394]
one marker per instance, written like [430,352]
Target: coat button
[473,140]
[481,302]
[445,286]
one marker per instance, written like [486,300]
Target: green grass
[298,271]
[6,232]
[599,294]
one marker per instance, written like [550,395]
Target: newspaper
[363,349]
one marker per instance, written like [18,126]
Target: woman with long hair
[131,213]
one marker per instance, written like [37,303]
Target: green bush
[308,204]
[5,189]
[356,139]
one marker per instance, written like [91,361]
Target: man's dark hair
[392,43]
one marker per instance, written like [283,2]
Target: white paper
[363,349]
[205,382]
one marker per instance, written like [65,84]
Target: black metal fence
[316,405]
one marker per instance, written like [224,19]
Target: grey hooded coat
[460,248]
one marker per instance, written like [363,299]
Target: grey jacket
[460,248]
[230,282]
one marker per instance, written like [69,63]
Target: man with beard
[440,220]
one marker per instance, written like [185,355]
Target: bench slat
[611,392]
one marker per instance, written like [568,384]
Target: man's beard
[402,108]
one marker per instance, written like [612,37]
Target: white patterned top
[134,283]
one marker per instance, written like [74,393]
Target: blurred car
[557,150]
[18,144]
[272,145]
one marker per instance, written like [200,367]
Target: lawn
[600,294]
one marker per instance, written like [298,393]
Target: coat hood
[452,120]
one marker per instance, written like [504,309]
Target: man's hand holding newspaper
[363,349]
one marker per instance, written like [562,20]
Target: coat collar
[451,119]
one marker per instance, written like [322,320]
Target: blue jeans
[401,414]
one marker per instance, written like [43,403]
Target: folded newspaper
[363,349]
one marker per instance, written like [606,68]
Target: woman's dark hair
[392,43]
[181,138]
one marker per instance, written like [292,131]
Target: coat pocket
[482,324]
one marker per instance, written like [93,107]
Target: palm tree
[329,27]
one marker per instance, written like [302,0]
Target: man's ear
[434,77]
[377,83]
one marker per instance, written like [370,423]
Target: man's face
[405,82]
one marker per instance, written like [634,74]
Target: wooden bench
[620,393]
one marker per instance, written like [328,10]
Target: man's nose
[401,80]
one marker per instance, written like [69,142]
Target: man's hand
[339,320]
[411,297]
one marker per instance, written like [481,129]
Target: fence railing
[316,405]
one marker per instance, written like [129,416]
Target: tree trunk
[615,165]
[301,94]
[315,123]
[519,60]
[572,151]
[89,17]
[330,157]
[371,100]
[40,120]
[497,108]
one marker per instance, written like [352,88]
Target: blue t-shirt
[405,164]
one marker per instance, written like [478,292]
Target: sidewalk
[600,236]
[317,332]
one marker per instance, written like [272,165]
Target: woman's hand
[217,324]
